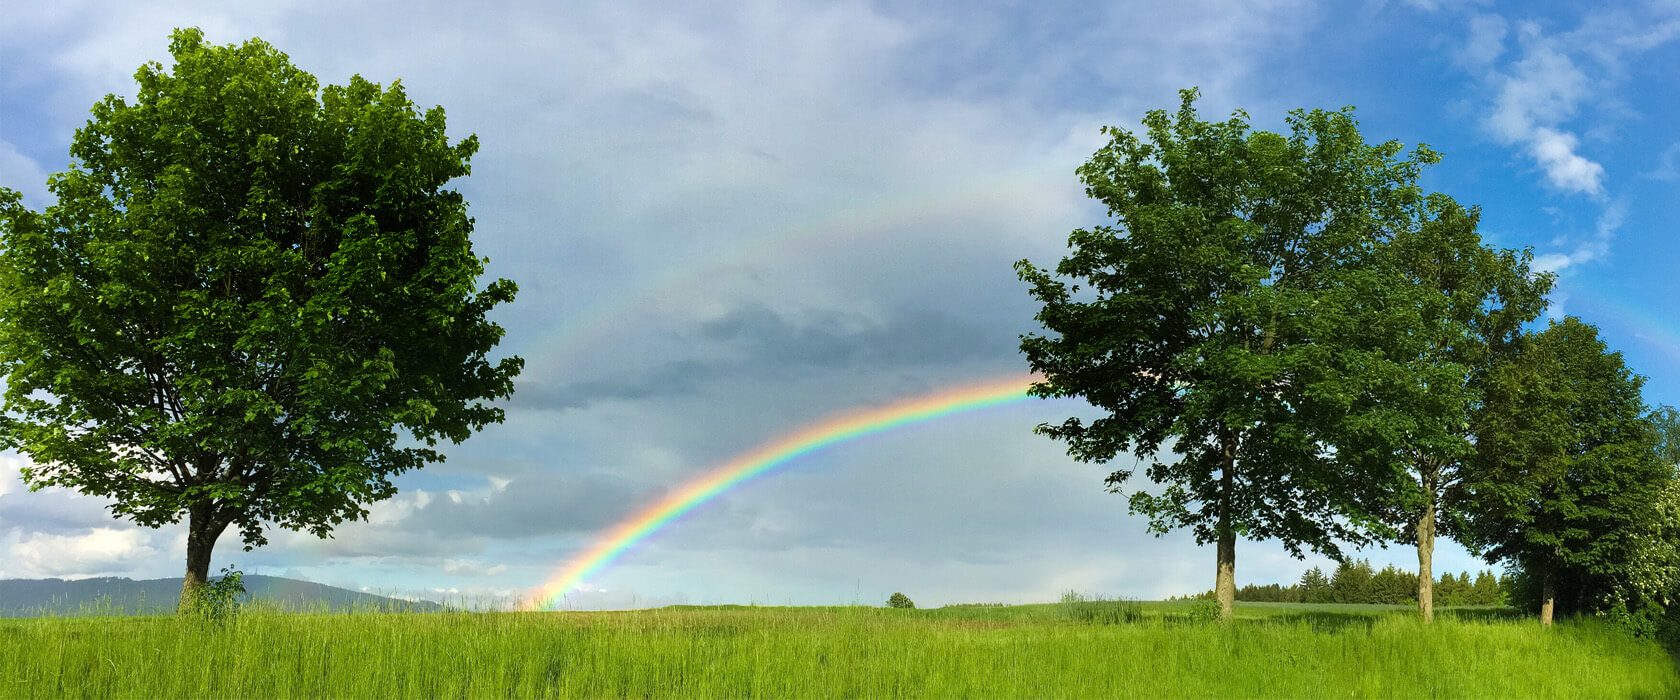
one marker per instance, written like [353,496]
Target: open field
[1273,650]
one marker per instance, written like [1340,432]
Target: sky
[729,221]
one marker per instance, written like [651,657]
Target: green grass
[1274,650]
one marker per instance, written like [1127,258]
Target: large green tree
[1567,483]
[1426,316]
[248,290]
[1199,318]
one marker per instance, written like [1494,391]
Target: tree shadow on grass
[1335,621]
[1481,614]
[1325,621]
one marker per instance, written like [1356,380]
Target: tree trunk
[1225,582]
[1546,599]
[1426,559]
[203,527]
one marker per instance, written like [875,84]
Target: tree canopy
[248,291]
[1199,320]
[1568,481]
[1426,316]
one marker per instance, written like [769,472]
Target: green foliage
[1315,587]
[248,291]
[1430,311]
[1641,622]
[1271,593]
[219,600]
[1665,420]
[1204,610]
[899,600]
[1198,319]
[1487,590]
[1360,584]
[1568,483]
[1352,582]
[1392,586]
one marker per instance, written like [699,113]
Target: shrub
[1205,610]
[899,600]
[219,600]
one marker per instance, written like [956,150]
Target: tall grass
[1011,651]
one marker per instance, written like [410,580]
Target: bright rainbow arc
[767,457]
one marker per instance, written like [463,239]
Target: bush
[1205,610]
[219,600]
[1640,623]
[899,600]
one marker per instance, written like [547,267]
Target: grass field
[1055,650]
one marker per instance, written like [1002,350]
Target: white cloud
[11,474]
[102,552]
[1594,247]
[1485,43]
[1668,164]
[470,567]
[1541,91]
[1568,170]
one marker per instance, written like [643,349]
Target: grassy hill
[53,597]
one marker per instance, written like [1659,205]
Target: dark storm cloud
[754,340]
[671,378]
[913,337]
[535,504]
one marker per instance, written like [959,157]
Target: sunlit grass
[1010,651]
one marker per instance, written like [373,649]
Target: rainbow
[766,457]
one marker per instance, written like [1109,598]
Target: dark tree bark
[204,526]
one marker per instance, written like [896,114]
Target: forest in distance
[1356,582]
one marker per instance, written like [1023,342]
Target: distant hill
[122,596]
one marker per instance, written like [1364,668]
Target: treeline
[1359,582]
[1292,341]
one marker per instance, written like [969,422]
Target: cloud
[535,504]
[49,511]
[22,173]
[875,167]
[1668,164]
[1541,90]
[755,339]
[1594,248]
[102,552]
[1567,170]
[1485,42]
[472,568]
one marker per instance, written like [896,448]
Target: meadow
[1084,649]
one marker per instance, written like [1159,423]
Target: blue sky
[729,221]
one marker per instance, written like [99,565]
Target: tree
[1195,322]
[1431,312]
[1452,590]
[1567,480]
[1391,586]
[1351,583]
[1315,586]
[246,289]
[1486,590]
[899,600]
